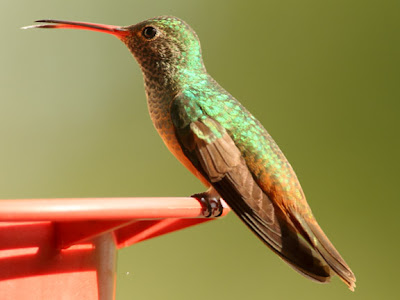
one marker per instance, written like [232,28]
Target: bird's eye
[149,32]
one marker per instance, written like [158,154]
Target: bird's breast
[161,117]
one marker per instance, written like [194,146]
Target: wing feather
[213,152]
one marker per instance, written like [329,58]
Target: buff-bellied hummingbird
[223,145]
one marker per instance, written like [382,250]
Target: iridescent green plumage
[221,143]
[225,146]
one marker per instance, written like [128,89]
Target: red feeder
[66,248]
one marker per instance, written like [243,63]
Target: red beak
[118,31]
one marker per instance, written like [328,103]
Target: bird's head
[163,46]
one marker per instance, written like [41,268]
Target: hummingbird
[218,140]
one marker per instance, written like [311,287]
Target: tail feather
[300,243]
[325,248]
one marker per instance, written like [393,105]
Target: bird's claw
[211,205]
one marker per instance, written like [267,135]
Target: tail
[303,245]
[276,230]
[285,241]
[325,248]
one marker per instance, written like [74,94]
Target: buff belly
[165,129]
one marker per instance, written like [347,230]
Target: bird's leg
[211,202]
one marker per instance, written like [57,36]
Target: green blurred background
[323,78]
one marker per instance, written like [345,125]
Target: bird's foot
[211,203]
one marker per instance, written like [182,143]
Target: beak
[119,32]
